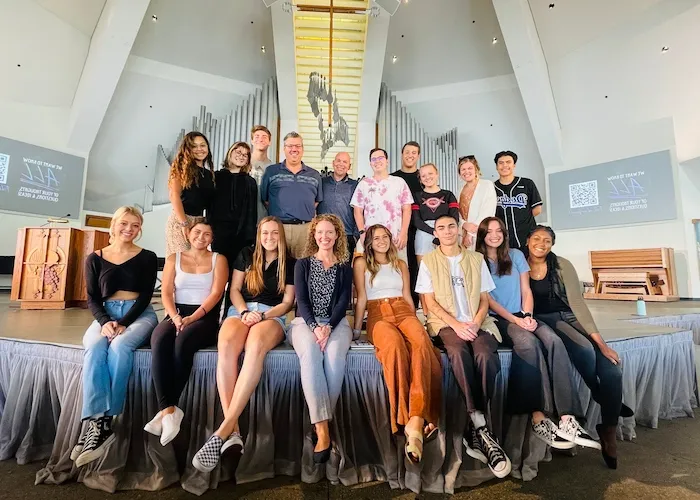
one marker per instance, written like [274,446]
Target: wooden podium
[49,270]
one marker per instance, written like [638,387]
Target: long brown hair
[392,254]
[504,264]
[340,248]
[240,144]
[184,167]
[254,274]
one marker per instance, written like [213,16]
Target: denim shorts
[257,307]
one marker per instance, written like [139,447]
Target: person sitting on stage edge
[262,293]
[191,189]
[321,334]
[454,283]
[412,367]
[193,284]
[559,304]
[120,281]
[540,367]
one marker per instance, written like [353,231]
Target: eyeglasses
[241,153]
[377,159]
[292,147]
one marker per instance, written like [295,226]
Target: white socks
[478,419]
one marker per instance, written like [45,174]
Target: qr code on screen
[583,194]
[4,165]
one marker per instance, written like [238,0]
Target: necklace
[538,274]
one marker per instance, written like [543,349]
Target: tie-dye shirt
[382,201]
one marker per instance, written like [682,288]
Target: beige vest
[440,275]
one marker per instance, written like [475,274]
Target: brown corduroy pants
[411,364]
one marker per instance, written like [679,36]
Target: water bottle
[641,307]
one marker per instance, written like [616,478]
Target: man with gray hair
[291,191]
[338,188]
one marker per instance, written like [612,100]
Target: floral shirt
[382,201]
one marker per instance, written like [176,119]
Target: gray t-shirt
[257,173]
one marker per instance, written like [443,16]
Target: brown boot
[608,441]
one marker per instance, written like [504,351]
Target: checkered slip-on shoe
[207,458]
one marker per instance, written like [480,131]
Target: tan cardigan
[439,267]
[573,296]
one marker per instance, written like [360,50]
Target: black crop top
[199,196]
[104,279]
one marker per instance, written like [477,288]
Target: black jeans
[474,364]
[172,355]
[229,244]
[540,371]
[602,377]
[412,263]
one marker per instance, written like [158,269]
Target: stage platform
[40,400]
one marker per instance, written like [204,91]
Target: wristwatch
[244,312]
[527,315]
[262,315]
[362,231]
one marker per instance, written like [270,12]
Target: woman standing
[262,293]
[412,368]
[540,363]
[430,204]
[193,283]
[321,334]
[191,189]
[476,201]
[120,280]
[559,304]
[234,211]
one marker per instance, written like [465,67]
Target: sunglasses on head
[467,158]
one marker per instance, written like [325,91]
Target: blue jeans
[107,365]
[257,307]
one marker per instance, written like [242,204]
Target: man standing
[260,138]
[337,193]
[291,191]
[519,201]
[410,154]
[455,285]
[383,199]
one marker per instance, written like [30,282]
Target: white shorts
[424,241]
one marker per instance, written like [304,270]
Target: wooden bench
[630,274]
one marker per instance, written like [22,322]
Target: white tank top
[387,283]
[193,289]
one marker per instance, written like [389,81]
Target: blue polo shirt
[292,197]
[336,200]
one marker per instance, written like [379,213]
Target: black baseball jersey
[515,203]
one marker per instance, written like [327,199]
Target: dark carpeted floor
[661,464]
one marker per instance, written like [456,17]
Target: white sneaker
[155,426]
[546,431]
[234,441]
[571,430]
[171,426]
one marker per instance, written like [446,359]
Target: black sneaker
[96,442]
[498,461]
[547,431]
[473,445]
[571,430]
[207,458]
[80,445]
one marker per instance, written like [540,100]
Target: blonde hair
[240,144]
[340,248]
[392,254]
[119,214]
[254,274]
[430,165]
[469,159]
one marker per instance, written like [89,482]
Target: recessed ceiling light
[154,18]
[664,49]
[494,41]
[262,49]
[394,59]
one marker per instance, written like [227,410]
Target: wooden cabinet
[49,266]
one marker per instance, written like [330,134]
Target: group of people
[280,237]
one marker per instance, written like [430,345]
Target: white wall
[618,96]
[150,106]
[489,116]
